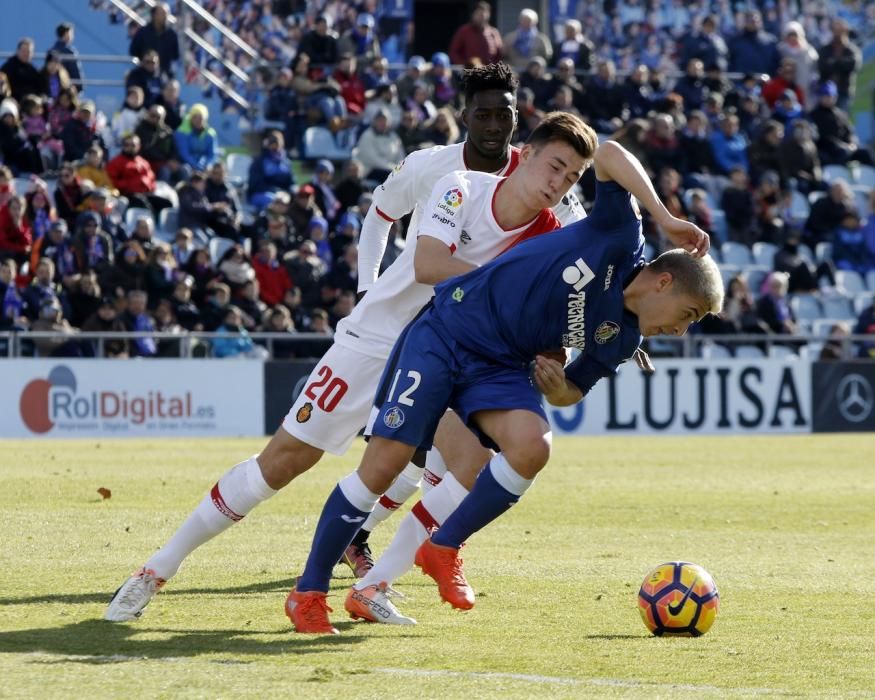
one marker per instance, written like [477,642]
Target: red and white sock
[428,514]
[401,489]
[240,489]
[435,468]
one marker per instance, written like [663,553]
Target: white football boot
[128,602]
[372,604]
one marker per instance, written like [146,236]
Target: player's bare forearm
[567,396]
[433,262]
[613,162]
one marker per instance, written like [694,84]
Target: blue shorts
[429,372]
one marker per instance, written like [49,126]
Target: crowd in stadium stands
[130,221]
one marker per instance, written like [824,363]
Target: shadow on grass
[98,641]
[614,637]
[280,586]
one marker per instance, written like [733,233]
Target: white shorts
[336,400]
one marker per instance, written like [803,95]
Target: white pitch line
[558,680]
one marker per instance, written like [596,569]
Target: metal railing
[89,58]
[186,32]
[696,345]
[194,344]
[688,346]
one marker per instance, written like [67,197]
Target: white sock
[240,489]
[434,508]
[435,468]
[402,489]
[507,477]
[355,491]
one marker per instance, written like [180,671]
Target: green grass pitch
[786,525]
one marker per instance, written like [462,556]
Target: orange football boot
[308,612]
[444,565]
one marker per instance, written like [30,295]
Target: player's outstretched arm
[433,261]
[551,382]
[613,162]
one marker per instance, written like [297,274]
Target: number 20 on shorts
[405,397]
[327,391]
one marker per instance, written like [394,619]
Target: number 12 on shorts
[405,397]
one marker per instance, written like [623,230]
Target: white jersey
[396,297]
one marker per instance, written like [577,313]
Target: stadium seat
[649,251]
[22,185]
[849,282]
[863,301]
[755,275]
[727,272]
[837,307]
[799,206]
[806,307]
[721,228]
[134,213]
[806,253]
[218,247]
[822,327]
[166,190]
[870,280]
[319,143]
[782,352]
[861,200]
[823,251]
[864,127]
[736,254]
[238,168]
[831,173]
[715,351]
[865,175]
[764,254]
[168,221]
[749,352]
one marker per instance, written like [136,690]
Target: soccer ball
[678,599]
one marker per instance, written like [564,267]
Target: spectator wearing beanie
[526,42]
[196,140]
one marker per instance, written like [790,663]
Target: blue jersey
[564,289]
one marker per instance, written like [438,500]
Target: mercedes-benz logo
[855,398]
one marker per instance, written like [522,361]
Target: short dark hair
[567,128]
[62,29]
[493,76]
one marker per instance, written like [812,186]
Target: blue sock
[339,522]
[486,501]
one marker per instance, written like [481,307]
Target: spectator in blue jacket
[729,146]
[237,341]
[753,50]
[271,172]
[196,140]
[849,248]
